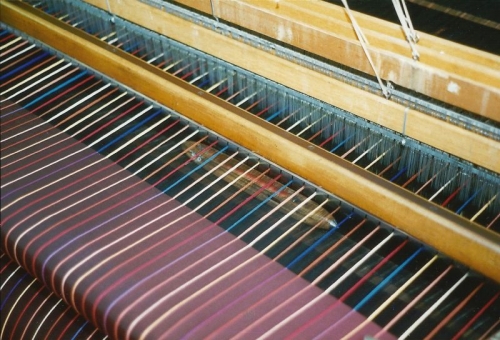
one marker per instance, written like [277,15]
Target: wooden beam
[447,71]
[465,241]
[460,142]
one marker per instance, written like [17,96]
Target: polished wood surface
[455,140]
[450,72]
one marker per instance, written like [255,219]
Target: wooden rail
[450,138]
[450,72]
[467,242]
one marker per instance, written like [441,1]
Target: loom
[232,169]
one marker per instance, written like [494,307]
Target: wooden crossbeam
[447,71]
[450,138]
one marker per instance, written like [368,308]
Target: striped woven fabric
[122,219]
[129,258]
[30,311]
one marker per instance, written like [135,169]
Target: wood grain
[460,142]
[447,71]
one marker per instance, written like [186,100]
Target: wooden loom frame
[324,29]
[453,235]
[450,138]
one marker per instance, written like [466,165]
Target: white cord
[110,12]
[364,44]
[410,24]
[213,11]
[407,26]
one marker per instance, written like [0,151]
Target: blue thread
[259,205]
[132,129]
[342,143]
[398,174]
[467,202]
[387,279]
[79,330]
[57,88]
[23,66]
[277,113]
[318,241]
[4,300]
